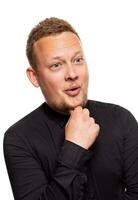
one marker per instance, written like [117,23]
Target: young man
[69,148]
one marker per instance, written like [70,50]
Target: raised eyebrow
[60,58]
[57,58]
[78,52]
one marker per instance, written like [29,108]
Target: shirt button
[83,178]
[92,196]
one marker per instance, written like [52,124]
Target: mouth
[73,91]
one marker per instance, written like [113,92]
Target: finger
[92,120]
[68,121]
[86,112]
[71,112]
[78,109]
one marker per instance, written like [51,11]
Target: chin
[67,105]
[74,104]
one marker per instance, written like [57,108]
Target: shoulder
[110,110]
[113,114]
[106,107]
[28,123]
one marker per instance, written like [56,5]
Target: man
[69,148]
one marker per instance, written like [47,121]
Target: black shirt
[42,165]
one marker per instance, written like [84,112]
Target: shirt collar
[59,118]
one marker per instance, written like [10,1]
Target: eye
[55,65]
[79,60]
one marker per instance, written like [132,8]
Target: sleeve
[30,182]
[130,157]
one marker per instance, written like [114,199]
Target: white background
[109,33]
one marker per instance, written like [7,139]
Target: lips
[73,91]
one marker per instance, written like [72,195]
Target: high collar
[59,118]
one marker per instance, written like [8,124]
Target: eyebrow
[60,58]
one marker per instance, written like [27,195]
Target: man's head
[48,27]
[57,64]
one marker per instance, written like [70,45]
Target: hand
[81,128]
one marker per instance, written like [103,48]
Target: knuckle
[86,111]
[78,109]
[97,127]
[92,119]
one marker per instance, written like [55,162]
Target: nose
[71,73]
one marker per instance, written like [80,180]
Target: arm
[130,157]
[28,180]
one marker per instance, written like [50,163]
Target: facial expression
[62,72]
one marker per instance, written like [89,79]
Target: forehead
[61,43]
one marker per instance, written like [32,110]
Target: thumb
[71,112]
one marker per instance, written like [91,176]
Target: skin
[81,129]
[62,75]
[61,66]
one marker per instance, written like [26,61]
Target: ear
[32,76]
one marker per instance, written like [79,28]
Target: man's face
[62,72]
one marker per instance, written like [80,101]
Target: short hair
[49,26]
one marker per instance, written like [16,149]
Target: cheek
[85,76]
[52,85]
[50,91]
